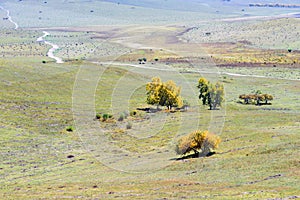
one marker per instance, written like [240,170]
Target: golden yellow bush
[196,141]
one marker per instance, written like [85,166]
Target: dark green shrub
[106,116]
[98,116]
[70,128]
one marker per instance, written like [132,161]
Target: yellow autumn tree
[153,91]
[198,141]
[163,94]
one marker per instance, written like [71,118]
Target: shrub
[106,116]
[197,140]
[70,128]
[128,125]
[133,113]
[98,116]
[121,117]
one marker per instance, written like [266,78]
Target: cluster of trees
[168,94]
[163,93]
[256,98]
[211,94]
[198,142]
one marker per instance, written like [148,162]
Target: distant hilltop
[274,5]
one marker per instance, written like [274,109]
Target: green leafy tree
[215,95]
[203,85]
[163,94]
[211,94]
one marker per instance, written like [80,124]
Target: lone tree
[163,94]
[211,94]
[198,141]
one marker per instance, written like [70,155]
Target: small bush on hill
[98,116]
[198,141]
[70,128]
[106,116]
[128,125]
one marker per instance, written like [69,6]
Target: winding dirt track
[9,17]
[40,39]
[52,50]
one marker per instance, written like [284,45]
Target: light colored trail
[9,17]
[265,17]
[135,66]
[145,66]
[52,50]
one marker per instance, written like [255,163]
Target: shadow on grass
[150,110]
[195,155]
[254,103]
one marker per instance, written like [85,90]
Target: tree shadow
[150,110]
[195,155]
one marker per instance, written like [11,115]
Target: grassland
[35,153]
[259,154]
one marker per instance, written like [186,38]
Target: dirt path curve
[52,50]
[40,39]
[9,17]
